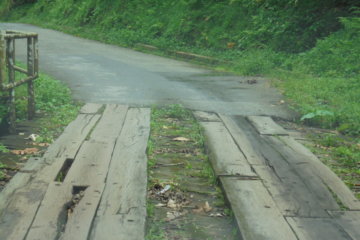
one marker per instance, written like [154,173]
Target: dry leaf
[172,204]
[160,205]
[203,209]
[181,139]
[25,151]
[207,207]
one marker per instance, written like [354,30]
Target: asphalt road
[103,73]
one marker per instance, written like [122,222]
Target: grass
[342,155]
[55,108]
[177,138]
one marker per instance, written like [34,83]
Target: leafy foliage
[313,47]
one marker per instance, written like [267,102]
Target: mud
[10,163]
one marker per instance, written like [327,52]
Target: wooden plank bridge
[91,183]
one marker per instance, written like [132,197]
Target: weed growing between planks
[183,196]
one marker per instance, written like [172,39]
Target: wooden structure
[8,68]
[276,187]
[91,183]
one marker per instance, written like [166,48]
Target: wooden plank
[119,227]
[19,213]
[90,108]
[317,228]
[79,223]
[242,141]
[255,211]
[110,124]
[21,206]
[328,177]
[20,179]
[206,116]
[52,213]
[225,156]
[71,139]
[296,188]
[125,192]
[349,221]
[266,126]
[91,163]
[292,195]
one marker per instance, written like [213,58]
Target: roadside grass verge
[182,188]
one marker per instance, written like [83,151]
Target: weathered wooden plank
[22,202]
[295,188]
[255,211]
[74,134]
[124,196]
[90,108]
[52,213]
[120,227]
[18,215]
[317,228]
[225,156]
[110,124]
[242,141]
[266,126]
[328,177]
[91,163]
[349,221]
[292,195]
[206,116]
[79,223]
[19,180]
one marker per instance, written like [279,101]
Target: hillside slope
[312,46]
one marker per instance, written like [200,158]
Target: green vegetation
[53,104]
[310,49]
[54,110]
[177,159]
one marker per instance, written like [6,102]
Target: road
[103,73]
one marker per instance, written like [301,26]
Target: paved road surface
[103,73]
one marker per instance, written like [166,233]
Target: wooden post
[10,52]
[2,58]
[31,72]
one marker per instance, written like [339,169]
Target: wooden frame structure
[8,68]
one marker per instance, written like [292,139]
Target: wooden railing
[8,82]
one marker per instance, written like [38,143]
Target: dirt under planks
[58,196]
[289,198]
